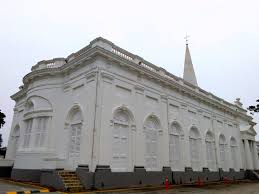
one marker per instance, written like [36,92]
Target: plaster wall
[98,88]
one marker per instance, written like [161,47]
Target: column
[214,127]
[242,151]
[164,146]
[248,155]
[33,133]
[203,158]
[140,135]
[255,156]
[184,116]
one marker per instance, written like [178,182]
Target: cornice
[143,67]
[173,84]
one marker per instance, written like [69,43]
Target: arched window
[40,131]
[27,133]
[210,150]
[175,138]
[151,127]
[38,111]
[233,148]
[29,107]
[121,140]
[16,136]
[76,126]
[222,151]
[74,123]
[195,148]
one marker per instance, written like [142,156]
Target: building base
[32,175]
[6,167]
[51,178]
[103,177]
[5,171]
[190,176]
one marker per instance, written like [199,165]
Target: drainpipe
[95,115]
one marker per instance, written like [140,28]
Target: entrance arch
[222,151]
[122,139]
[151,128]
[210,151]
[16,138]
[233,149]
[175,141]
[74,122]
[195,148]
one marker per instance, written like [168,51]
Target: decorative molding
[139,89]
[107,77]
[107,49]
[133,127]
[38,113]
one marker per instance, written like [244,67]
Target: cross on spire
[186,38]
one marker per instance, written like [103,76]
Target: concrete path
[242,188]
[6,186]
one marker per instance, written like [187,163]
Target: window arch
[38,111]
[27,133]
[175,140]
[16,137]
[233,148]
[75,121]
[122,120]
[222,151]
[151,128]
[210,150]
[195,148]
[29,106]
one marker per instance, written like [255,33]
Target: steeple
[189,74]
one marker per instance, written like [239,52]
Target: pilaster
[255,156]
[248,155]
[187,159]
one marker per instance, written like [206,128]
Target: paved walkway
[6,186]
[242,188]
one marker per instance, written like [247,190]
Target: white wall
[118,86]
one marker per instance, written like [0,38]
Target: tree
[2,117]
[2,122]
[254,108]
[1,140]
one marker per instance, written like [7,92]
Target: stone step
[75,189]
[69,177]
[72,185]
[66,172]
[71,181]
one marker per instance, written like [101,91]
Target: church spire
[189,74]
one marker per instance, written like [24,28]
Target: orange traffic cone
[166,184]
[200,182]
[225,180]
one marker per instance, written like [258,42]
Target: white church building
[116,119]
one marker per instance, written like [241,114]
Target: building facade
[106,109]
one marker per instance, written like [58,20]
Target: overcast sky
[224,41]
